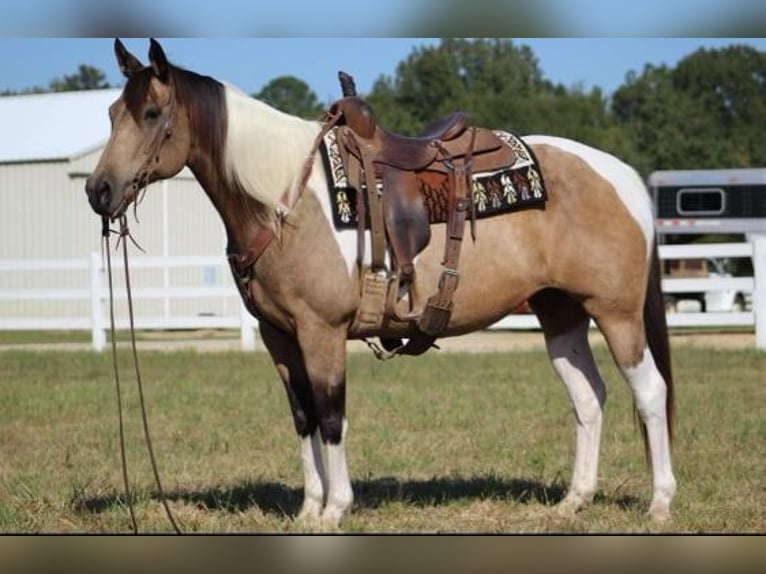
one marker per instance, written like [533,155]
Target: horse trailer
[704,201]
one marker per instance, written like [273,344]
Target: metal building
[49,144]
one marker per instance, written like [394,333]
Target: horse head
[150,138]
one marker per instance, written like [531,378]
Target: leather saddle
[393,169]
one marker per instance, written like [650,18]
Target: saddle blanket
[506,189]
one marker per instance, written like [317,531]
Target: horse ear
[158,60]
[127,62]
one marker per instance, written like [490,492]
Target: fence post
[247,328]
[759,289]
[98,329]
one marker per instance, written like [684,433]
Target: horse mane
[237,129]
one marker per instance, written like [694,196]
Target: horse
[589,255]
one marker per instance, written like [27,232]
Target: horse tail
[656,329]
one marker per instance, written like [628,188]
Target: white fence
[755,286]
[95,291]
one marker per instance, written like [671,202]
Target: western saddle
[390,173]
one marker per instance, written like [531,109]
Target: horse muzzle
[103,199]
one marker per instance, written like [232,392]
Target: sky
[603,18]
[250,63]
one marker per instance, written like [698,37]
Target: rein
[123,233]
[242,263]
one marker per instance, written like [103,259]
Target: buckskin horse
[588,254]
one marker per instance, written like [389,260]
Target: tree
[500,84]
[292,96]
[707,112]
[490,78]
[86,78]
[657,117]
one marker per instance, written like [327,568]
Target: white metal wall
[44,214]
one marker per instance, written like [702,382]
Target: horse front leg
[324,354]
[288,360]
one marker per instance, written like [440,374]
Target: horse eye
[152,114]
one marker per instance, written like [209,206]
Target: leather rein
[138,183]
[242,263]
[123,233]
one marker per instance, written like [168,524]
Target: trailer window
[693,201]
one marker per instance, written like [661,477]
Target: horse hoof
[331,518]
[310,515]
[659,513]
[566,509]
[571,504]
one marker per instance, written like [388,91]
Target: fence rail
[94,290]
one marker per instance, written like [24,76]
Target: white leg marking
[650,394]
[314,478]
[572,359]
[339,496]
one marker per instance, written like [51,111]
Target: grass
[442,443]
[32,337]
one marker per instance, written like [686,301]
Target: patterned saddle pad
[507,189]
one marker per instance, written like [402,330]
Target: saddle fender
[406,219]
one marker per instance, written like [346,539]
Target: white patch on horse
[625,180]
[259,135]
[339,493]
[573,361]
[314,478]
[650,393]
[345,238]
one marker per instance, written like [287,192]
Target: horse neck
[261,161]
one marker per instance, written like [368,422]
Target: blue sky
[251,62]
[603,18]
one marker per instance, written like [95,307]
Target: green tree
[292,96]
[490,78]
[657,117]
[730,84]
[86,78]
[500,83]
[707,112]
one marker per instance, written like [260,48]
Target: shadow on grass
[284,501]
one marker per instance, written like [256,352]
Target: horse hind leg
[565,327]
[627,340]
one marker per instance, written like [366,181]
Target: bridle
[124,233]
[152,153]
[138,183]
[241,263]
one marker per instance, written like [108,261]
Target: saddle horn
[347,84]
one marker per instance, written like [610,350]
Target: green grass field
[443,443]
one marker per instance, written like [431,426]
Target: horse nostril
[99,192]
[103,192]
